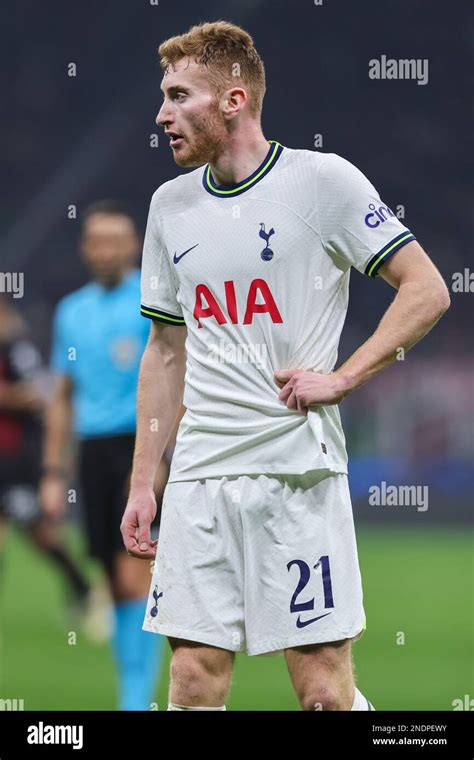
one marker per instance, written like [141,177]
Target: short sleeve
[356,228]
[59,360]
[159,285]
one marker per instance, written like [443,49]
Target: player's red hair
[229,54]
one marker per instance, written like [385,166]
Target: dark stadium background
[71,140]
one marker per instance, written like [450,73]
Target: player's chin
[187,158]
[180,153]
[181,160]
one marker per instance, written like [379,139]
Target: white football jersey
[259,273]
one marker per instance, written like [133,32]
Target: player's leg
[196,594]
[22,505]
[46,535]
[303,583]
[323,678]
[200,676]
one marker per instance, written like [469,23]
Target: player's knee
[323,697]
[197,675]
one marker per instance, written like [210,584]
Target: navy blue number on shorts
[305,577]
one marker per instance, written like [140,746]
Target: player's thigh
[194,661]
[324,665]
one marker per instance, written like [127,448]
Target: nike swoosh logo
[178,258]
[303,623]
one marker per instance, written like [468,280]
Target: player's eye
[179,96]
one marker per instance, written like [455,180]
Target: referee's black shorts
[104,472]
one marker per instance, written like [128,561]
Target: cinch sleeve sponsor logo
[378,215]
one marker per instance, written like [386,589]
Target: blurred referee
[98,341]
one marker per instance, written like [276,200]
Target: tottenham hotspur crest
[267,253]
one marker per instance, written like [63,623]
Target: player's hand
[136,521]
[20,396]
[301,388]
[52,495]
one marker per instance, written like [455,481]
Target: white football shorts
[257,563]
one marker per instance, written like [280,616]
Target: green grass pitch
[417,582]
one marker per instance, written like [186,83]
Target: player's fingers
[285,392]
[291,402]
[139,554]
[130,544]
[283,375]
[128,530]
[302,409]
[143,533]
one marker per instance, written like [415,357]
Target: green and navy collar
[268,163]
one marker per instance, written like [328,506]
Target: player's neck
[239,159]
[114,282]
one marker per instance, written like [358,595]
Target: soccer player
[98,341]
[247,259]
[22,401]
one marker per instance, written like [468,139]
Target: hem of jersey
[150,312]
[277,645]
[284,468]
[386,251]
[190,635]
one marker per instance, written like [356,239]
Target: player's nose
[163,116]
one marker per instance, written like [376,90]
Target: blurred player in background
[22,401]
[248,259]
[97,345]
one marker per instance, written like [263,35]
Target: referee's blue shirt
[98,341]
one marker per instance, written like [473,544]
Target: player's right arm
[159,397]
[56,437]
[20,396]
[58,416]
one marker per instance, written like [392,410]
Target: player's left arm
[421,300]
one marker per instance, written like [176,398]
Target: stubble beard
[208,137]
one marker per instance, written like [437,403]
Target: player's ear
[233,101]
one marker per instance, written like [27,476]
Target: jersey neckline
[274,153]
